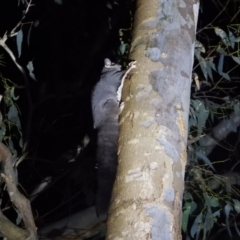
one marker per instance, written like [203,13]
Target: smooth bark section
[147,196]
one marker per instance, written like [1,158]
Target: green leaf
[231,39]
[197,225]
[202,62]
[12,113]
[205,159]
[220,64]
[191,122]
[202,118]
[185,216]
[193,207]
[237,108]
[236,205]
[221,51]
[199,47]
[122,48]
[210,62]
[12,94]
[209,69]
[236,59]
[208,224]
[226,76]
[203,65]
[214,201]
[237,39]
[19,41]
[222,35]
[200,113]
[188,209]
[227,210]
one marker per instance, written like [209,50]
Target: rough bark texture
[147,197]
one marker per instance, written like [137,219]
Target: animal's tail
[107,165]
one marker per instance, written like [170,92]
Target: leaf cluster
[10,132]
[210,199]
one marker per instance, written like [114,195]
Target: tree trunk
[147,196]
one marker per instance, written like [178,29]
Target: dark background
[67,44]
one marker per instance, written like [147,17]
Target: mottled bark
[147,197]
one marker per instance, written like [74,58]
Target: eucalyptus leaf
[225,75]
[237,108]
[205,159]
[197,225]
[222,35]
[199,47]
[208,224]
[221,51]
[12,94]
[193,207]
[122,48]
[19,42]
[212,64]
[214,201]
[203,65]
[236,205]
[227,210]
[231,39]
[236,59]
[220,64]
[185,216]
[237,39]
[209,69]
[12,113]
[202,118]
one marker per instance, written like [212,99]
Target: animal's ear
[107,62]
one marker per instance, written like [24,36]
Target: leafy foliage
[210,199]
[10,132]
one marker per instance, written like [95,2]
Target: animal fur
[106,97]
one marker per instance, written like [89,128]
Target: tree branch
[19,200]
[10,230]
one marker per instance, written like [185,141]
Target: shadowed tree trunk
[147,196]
